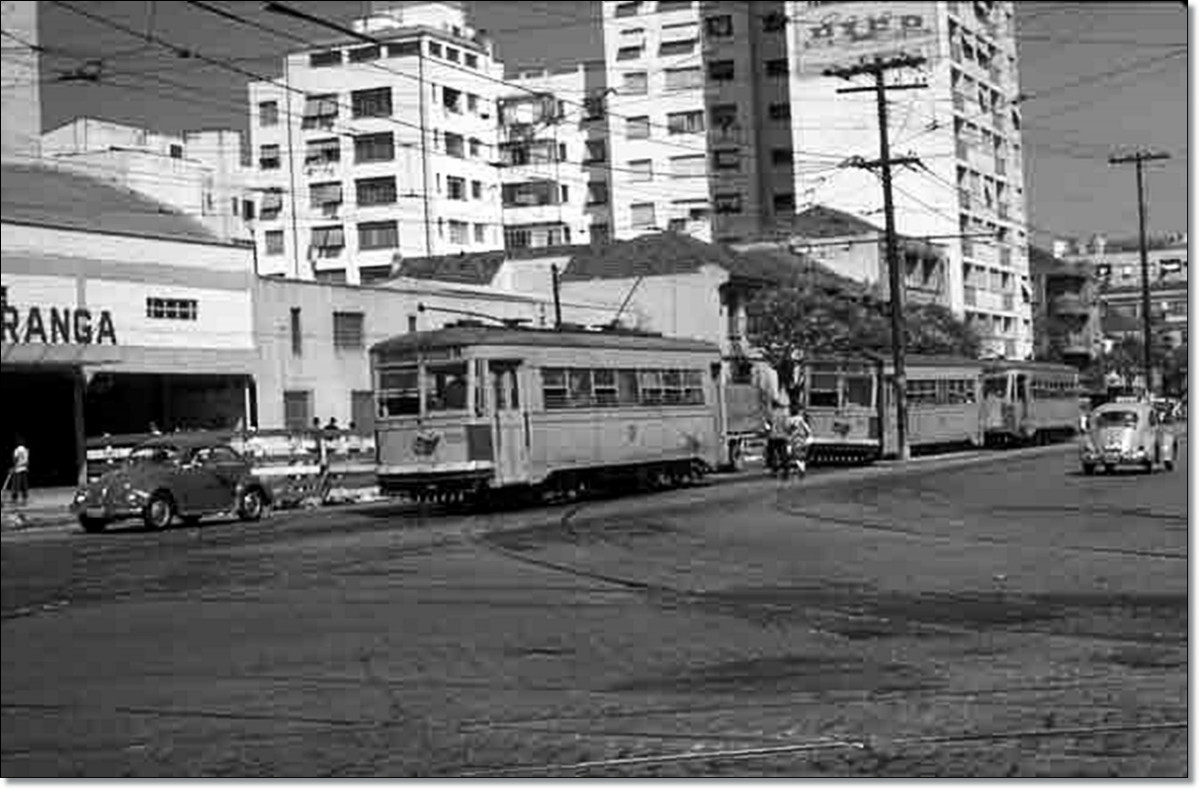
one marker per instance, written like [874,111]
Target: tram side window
[922,393]
[604,387]
[580,387]
[554,388]
[858,391]
[960,391]
[823,390]
[398,393]
[627,387]
[672,389]
[693,387]
[446,387]
[651,387]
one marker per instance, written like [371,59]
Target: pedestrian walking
[18,483]
[777,436]
[799,438]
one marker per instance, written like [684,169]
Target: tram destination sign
[57,325]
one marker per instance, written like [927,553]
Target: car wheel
[92,524]
[1089,469]
[251,505]
[158,512]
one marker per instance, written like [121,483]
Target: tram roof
[459,336]
[1036,367]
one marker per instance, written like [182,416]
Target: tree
[796,320]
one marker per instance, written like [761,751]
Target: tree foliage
[793,321]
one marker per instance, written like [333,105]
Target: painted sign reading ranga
[833,35]
[57,325]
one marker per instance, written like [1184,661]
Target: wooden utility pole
[1147,340]
[878,68]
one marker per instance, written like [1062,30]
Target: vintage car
[1126,433]
[169,476]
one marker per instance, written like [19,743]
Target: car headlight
[136,497]
[80,496]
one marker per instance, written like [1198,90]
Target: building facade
[368,151]
[964,127]
[555,185]
[200,174]
[1066,309]
[697,112]
[117,314]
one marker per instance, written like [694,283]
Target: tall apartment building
[698,118]
[200,174]
[965,127]
[555,176]
[365,151]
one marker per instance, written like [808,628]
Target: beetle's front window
[155,453]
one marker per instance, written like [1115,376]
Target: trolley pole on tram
[1147,338]
[878,68]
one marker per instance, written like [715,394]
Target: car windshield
[156,453]
[1117,419]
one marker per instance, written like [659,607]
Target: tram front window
[446,387]
[823,390]
[995,387]
[858,391]
[398,394]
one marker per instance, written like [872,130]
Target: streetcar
[841,398]
[1030,402]
[944,404]
[473,410]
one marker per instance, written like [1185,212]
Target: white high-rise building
[698,118]
[367,151]
[964,127]
[555,182]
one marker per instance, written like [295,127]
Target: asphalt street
[1005,618]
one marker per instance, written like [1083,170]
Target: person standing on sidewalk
[19,477]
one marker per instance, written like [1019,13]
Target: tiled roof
[48,196]
[470,268]
[824,222]
[652,255]
[775,265]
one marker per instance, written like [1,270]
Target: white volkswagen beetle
[1126,434]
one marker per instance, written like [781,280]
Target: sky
[1100,79]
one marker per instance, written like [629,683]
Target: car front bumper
[1113,457]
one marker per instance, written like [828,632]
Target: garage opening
[39,406]
[121,403]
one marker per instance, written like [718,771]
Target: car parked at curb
[1127,434]
[173,476]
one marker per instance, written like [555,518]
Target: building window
[456,188]
[273,239]
[779,111]
[635,83]
[268,113]
[665,6]
[719,26]
[459,232]
[297,335]
[375,191]
[323,151]
[641,216]
[372,103]
[172,309]
[404,49]
[480,233]
[472,103]
[628,9]
[777,67]
[597,193]
[721,70]
[781,156]
[475,147]
[268,157]
[347,330]
[599,232]
[784,203]
[597,151]
[727,203]
[727,159]
[325,196]
[724,116]
[452,100]
[272,204]
[684,79]
[690,122]
[685,46]
[364,54]
[452,54]
[378,235]
[435,49]
[629,53]
[641,170]
[328,241]
[455,146]
[330,57]
[297,409]
[379,147]
[471,60]
[320,111]
[477,190]
[695,166]
[593,107]
[637,128]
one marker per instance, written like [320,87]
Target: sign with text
[57,325]
[836,35]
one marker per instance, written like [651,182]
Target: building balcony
[1075,343]
[969,297]
[1070,304]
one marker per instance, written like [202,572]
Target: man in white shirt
[19,481]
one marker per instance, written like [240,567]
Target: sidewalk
[46,507]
